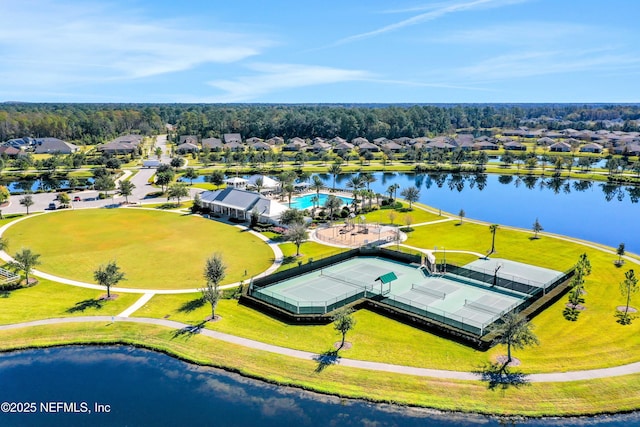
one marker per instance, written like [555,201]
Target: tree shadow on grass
[188,331]
[288,259]
[498,376]
[326,359]
[192,305]
[88,303]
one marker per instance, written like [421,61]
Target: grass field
[156,250]
[48,299]
[533,399]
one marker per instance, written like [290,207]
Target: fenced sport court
[470,299]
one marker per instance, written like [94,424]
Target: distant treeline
[96,123]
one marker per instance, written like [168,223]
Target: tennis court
[455,300]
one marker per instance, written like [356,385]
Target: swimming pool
[306,201]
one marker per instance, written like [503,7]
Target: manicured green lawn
[308,250]
[155,249]
[534,399]
[416,216]
[48,299]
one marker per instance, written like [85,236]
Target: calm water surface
[593,211]
[144,388]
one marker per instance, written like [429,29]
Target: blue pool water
[306,201]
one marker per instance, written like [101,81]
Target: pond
[108,386]
[33,185]
[594,211]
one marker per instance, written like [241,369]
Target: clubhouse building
[238,203]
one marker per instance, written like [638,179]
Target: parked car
[77,199]
[52,207]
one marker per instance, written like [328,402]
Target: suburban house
[192,139]
[213,144]
[239,204]
[232,137]
[187,147]
[592,147]
[54,145]
[514,145]
[126,144]
[560,147]
[9,151]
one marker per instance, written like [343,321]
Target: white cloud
[435,11]
[537,63]
[88,43]
[269,78]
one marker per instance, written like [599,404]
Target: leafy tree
[292,216]
[343,322]
[214,272]
[104,184]
[64,199]
[537,227]
[392,216]
[4,194]
[297,234]
[461,214]
[190,174]
[628,287]
[4,243]
[177,191]
[27,201]
[514,331]
[582,269]
[255,217]
[158,152]
[25,261]
[177,162]
[259,184]
[108,275]
[620,252]
[125,188]
[217,178]
[163,179]
[493,228]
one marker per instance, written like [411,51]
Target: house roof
[117,147]
[212,142]
[54,145]
[9,150]
[187,146]
[230,137]
[188,138]
[243,200]
[267,182]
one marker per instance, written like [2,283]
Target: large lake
[593,211]
[143,388]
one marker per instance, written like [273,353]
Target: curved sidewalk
[632,368]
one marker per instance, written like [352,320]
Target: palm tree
[125,188]
[259,184]
[288,188]
[24,261]
[335,170]
[355,183]
[108,275]
[620,252]
[332,203]
[317,185]
[493,228]
[461,214]
[368,179]
[214,272]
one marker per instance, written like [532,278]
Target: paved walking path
[632,368]
[135,306]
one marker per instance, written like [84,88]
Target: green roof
[386,278]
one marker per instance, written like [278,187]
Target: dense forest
[97,123]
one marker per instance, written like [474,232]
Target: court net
[429,291]
[482,307]
[346,280]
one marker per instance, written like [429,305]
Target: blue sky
[354,51]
